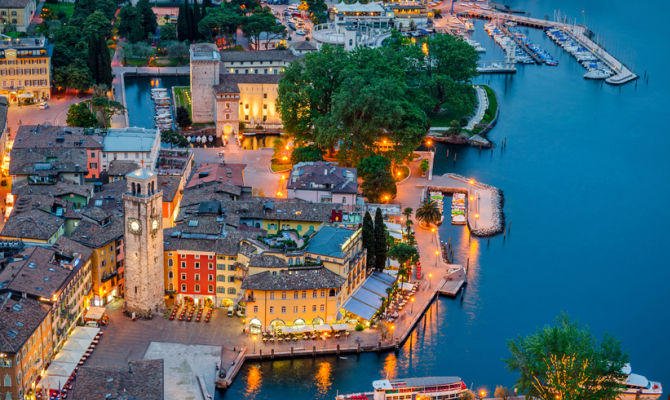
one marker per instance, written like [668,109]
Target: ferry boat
[639,387]
[458,209]
[432,387]
[438,197]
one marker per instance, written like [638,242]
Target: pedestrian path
[482,105]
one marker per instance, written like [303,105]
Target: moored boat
[458,209]
[432,387]
[438,197]
[638,387]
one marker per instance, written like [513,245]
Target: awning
[53,382]
[395,235]
[406,286]
[323,328]
[94,314]
[361,309]
[68,356]
[342,327]
[85,332]
[367,299]
[26,95]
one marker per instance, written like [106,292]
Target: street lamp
[392,329]
[253,339]
[437,253]
[482,394]
[411,311]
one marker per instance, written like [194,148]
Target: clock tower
[143,243]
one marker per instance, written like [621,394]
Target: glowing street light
[411,311]
[387,197]
[279,194]
[253,339]
[482,394]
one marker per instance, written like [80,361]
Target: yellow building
[25,69]
[17,13]
[294,296]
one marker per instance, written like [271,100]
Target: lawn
[183,97]
[493,105]
[67,8]
[135,61]
[278,166]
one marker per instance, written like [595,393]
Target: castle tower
[205,69]
[143,243]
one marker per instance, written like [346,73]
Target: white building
[323,182]
[131,144]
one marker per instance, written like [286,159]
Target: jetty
[521,44]
[579,32]
[454,282]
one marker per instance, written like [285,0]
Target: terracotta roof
[47,161]
[228,244]
[211,173]
[121,167]
[303,46]
[110,197]
[267,261]
[18,320]
[323,176]
[58,189]
[70,247]
[169,185]
[259,55]
[38,271]
[142,379]
[230,82]
[94,235]
[31,224]
[297,279]
[40,136]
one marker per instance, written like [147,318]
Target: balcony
[249,299]
[108,277]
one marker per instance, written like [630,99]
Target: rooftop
[303,46]
[169,185]
[121,167]
[204,52]
[130,140]
[328,241]
[33,42]
[18,320]
[298,279]
[267,261]
[58,189]
[323,175]
[142,379]
[41,136]
[47,161]
[259,55]
[230,82]
[358,7]
[209,173]
[38,271]
[32,223]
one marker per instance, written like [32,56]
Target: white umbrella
[198,139]
[209,138]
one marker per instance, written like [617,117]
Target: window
[313,307]
[283,309]
[183,277]
[197,288]
[197,277]
[304,309]
[221,267]
[210,257]
[210,265]
[8,379]
[231,267]
[295,309]
[283,295]
[221,278]
[323,293]
[272,295]
[221,290]
[92,155]
[314,294]
[170,262]
[197,256]
[183,264]
[304,294]
[255,309]
[295,294]
[231,278]
[210,277]
[272,310]
[170,275]
[322,308]
[265,95]
[183,287]
[210,288]
[197,265]
[231,290]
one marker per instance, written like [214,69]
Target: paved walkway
[482,105]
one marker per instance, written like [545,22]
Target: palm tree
[429,213]
[407,212]
[403,273]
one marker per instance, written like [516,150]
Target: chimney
[130,367]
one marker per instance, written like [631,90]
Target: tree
[259,22]
[429,213]
[454,127]
[423,166]
[178,50]
[378,182]
[75,76]
[147,17]
[307,153]
[106,108]
[168,32]
[182,22]
[79,115]
[368,236]
[407,213]
[318,11]
[99,60]
[174,138]
[566,362]
[129,18]
[403,253]
[183,117]
[219,22]
[97,24]
[380,241]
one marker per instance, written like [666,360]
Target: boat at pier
[432,387]
[458,209]
[639,387]
[438,198]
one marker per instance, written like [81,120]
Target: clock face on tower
[134,225]
[154,225]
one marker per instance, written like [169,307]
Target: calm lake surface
[586,178]
[138,96]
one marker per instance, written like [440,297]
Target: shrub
[359,327]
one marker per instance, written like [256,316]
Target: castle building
[236,88]
[143,243]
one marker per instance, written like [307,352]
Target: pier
[521,44]
[578,32]
[454,282]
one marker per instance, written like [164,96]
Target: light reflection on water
[254,380]
[323,378]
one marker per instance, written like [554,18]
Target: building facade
[25,68]
[17,13]
[143,244]
[131,144]
[323,182]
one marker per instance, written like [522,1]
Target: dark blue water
[138,96]
[586,177]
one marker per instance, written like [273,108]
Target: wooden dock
[453,282]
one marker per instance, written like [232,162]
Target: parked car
[43,105]
[300,32]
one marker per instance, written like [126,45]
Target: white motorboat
[639,387]
[597,74]
[430,388]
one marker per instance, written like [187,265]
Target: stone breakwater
[498,226]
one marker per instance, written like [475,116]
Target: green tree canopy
[307,153]
[259,22]
[219,22]
[79,115]
[378,181]
[368,236]
[429,213]
[566,362]
[168,32]
[183,117]
[97,24]
[75,76]
[106,108]
[99,60]
[147,16]
[130,25]
[403,253]
[174,138]
[381,244]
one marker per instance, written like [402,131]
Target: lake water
[138,96]
[586,177]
